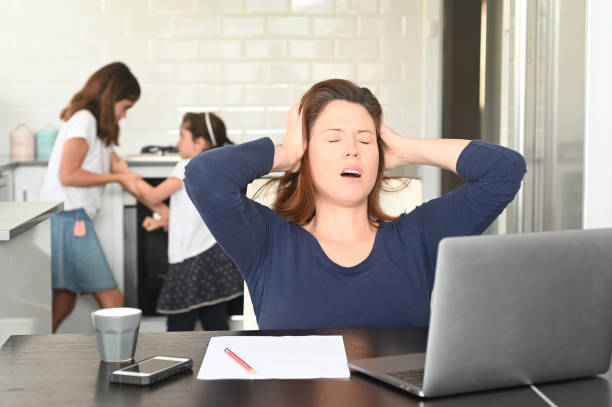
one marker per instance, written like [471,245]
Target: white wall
[598,126]
[249,60]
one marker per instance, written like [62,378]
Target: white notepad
[276,357]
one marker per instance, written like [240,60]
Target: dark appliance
[146,257]
[158,150]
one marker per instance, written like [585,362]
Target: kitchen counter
[7,164]
[25,252]
[151,159]
[132,160]
[17,217]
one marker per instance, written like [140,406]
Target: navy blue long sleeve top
[293,284]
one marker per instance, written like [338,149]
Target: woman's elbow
[510,166]
[516,172]
[519,167]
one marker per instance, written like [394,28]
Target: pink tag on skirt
[79,228]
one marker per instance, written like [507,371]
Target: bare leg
[109,298]
[63,303]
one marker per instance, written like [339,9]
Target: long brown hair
[296,191]
[196,124]
[107,86]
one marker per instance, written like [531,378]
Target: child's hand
[118,165]
[150,224]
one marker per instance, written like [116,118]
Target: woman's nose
[351,149]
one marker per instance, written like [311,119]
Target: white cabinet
[6,187]
[28,180]
[25,292]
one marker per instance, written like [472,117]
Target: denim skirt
[78,263]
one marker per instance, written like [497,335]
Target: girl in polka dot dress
[201,278]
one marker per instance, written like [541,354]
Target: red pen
[237,359]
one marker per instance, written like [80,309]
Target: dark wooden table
[66,370]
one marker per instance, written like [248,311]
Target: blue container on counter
[45,139]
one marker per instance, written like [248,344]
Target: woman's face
[187,147]
[121,108]
[343,153]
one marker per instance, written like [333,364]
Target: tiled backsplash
[247,60]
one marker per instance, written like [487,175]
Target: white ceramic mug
[116,332]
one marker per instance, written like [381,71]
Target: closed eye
[333,135]
[366,136]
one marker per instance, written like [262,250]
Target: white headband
[210,130]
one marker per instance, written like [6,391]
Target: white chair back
[399,195]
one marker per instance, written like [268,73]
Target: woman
[81,163]
[329,257]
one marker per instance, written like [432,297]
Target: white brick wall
[247,60]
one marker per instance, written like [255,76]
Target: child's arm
[118,165]
[147,193]
[161,214]
[162,210]
[141,189]
[154,197]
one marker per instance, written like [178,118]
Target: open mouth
[351,173]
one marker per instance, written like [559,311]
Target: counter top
[132,160]
[151,159]
[7,164]
[17,217]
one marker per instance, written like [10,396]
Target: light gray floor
[153,324]
[158,324]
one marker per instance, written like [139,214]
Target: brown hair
[107,86]
[196,124]
[296,191]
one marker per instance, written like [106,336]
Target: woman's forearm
[286,158]
[442,153]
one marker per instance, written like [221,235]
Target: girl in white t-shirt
[201,278]
[81,163]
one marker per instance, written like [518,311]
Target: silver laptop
[509,310]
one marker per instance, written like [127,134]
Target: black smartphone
[151,370]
